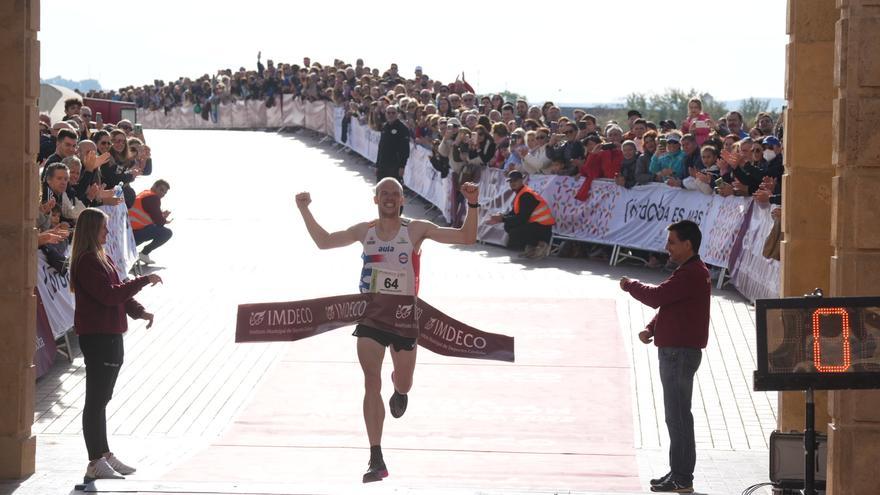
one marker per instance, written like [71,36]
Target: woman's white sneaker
[101,470]
[119,466]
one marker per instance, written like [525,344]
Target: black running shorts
[385,338]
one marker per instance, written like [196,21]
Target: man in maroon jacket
[680,329]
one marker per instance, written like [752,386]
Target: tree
[672,104]
[509,96]
[751,107]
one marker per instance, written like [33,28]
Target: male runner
[392,246]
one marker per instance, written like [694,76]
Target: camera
[582,125]
[608,146]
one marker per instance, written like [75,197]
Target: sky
[569,51]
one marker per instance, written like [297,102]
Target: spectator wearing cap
[667,125]
[667,164]
[393,146]
[603,162]
[697,122]
[535,160]
[766,161]
[529,224]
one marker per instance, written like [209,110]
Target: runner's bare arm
[467,234]
[322,238]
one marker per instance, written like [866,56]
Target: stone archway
[832,187]
[19,87]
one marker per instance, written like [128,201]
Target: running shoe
[397,404]
[100,470]
[119,466]
[376,472]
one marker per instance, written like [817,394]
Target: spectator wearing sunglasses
[566,148]
[535,160]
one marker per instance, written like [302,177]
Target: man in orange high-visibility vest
[530,222]
[148,220]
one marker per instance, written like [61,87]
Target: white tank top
[390,267]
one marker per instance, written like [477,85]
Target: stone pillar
[854,434]
[809,89]
[20,87]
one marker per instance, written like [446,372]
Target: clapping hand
[46,207]
[92,191]
[762,196]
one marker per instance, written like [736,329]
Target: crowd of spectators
[468,132]
[84,163]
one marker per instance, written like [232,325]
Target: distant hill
[84,85]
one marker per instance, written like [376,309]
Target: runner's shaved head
[382,183]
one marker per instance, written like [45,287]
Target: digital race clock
[818,343]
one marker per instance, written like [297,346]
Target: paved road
[580,411]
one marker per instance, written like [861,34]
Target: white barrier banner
[55,293]
[422,178]
[316,117]
[720,228]
[120,245]
[755,276]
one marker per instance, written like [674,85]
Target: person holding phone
[603,162]
[697,122]
[102,304]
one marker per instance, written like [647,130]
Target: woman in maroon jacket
[102,302]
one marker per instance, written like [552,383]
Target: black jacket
[393,145]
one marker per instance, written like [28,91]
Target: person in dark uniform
[529,223]
[393,147]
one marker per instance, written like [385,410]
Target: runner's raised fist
[303,200]
[471,192]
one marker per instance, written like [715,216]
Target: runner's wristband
[474,205]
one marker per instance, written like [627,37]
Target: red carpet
[560,418]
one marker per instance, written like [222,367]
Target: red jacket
[102,301]
[602,165]
[683,299]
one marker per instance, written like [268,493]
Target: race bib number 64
[388,282]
